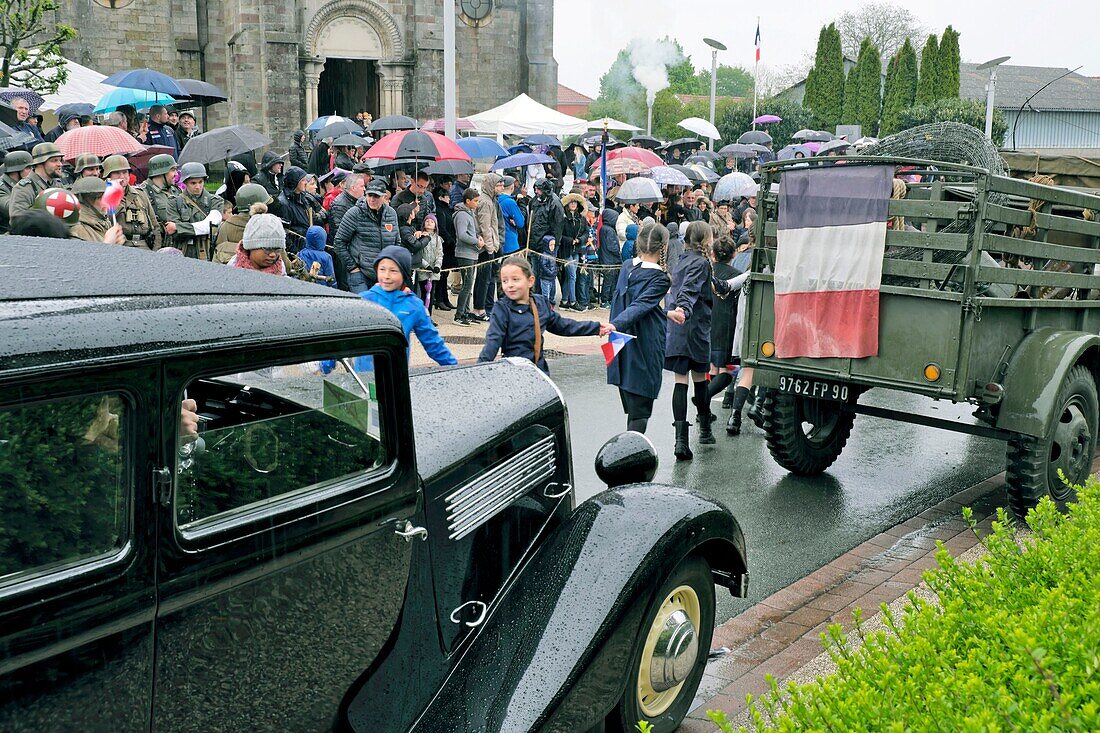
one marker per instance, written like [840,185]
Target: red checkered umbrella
[101,140]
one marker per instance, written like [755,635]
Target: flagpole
[755,73]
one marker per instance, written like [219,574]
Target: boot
[753,411]
[682,451]
[706,434]
[733,425]
[727,396]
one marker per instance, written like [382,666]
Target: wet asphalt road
[889,472]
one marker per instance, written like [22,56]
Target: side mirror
[628,458]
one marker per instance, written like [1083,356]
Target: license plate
[814,388]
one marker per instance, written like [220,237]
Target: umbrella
[639,191]
[734,187]
[394,122]
[742,150]
[481,147]
[139,161]
[202,93]
[646,157]
[416,144]
[668,176]
[684,142]
[351,141]
[813,147]
[700,127]
[75,109]
[449,167]
[222,143]
[703,156]
[691,175]
[549,140]
[135,98]
[755,136]
[595,138]
[646,141]
[621,166]
[325,120]
[818,136]
[10,138]
[521,159]
[101,140]
[865,141]
[440,126]
[612,124]
[707,174]
[338,128]
[767,119]
[789,152]
[34,100]
[833,145]
[148,80]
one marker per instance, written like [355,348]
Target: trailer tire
[1033,463]
[805,435]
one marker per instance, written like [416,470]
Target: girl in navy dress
[636,309]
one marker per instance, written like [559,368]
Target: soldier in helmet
[162,191]
[135,212]
[86,165]
[17,166]
[252,198]
[195,213]
[46,158]
[93,224]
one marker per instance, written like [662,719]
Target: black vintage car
[313,558]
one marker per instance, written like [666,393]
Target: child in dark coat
[518,321]
[314,254]
[636,309]
[548,268]
[687,348]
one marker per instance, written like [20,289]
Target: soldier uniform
[15,163]
[26,191]
[162,195]
[194,215]
[92,224]
[135,212]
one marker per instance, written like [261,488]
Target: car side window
[272,433]
[64,483]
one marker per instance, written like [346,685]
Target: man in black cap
[366,229]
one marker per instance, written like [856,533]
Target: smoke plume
[650,61]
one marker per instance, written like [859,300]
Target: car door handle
[409,532]
[550,493]
[481,608]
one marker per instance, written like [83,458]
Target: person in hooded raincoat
[317,261]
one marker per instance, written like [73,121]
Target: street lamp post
[715,47]
[990,88]
[449,113]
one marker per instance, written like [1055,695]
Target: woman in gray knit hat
[262,246]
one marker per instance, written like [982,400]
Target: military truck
[987,297]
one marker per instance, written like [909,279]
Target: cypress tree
[830,81]
[869,87]
[947,65]
[892,98]
[907,74]
[927,86]
[850,114]
[810,101]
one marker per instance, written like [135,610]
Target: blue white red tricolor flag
[615,343]
[831,239]
[757,39]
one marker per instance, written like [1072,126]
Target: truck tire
[687,593]
[805,435]
[1033,463]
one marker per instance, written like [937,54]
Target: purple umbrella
[813,147]
[767,119]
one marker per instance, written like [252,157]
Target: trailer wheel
[805,435]
[1033,463]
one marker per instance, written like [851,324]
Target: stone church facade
[285,62]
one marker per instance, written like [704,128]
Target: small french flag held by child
[615,343]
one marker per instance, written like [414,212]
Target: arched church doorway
[348,86]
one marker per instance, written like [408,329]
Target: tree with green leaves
[30,42]
[927,86]
[731,81]
[947,65]
[907,73]
[868,87]
[850,114]
[901,88]
[891,98]
[825,85]
[967,111]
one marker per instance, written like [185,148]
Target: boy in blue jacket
[314,252]
[393,266]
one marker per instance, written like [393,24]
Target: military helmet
[42,152]
[160,165]
[192,170]
[16,161]
[60,203]
[252,193]
[85,161]
[89,184]
[114,163]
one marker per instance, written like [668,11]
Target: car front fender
[553,654]
[1035,374]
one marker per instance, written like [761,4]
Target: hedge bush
[1015,645]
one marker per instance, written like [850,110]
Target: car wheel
[804,435]
[670,653]
[1033,463]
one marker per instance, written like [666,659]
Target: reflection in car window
[63,485]
[273,432]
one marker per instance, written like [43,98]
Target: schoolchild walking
[636,310]
[519,320]
[687,346]
[722,322]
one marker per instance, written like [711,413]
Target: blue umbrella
[136,98]
[77,109]
[147,80]
[481,147]
[521,159]
[542,140]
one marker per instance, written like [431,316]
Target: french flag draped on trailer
[828,268]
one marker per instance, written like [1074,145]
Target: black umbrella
[704,157]
[449,168]
[833,145]
[336,129]
[394,122]
[222,143]
[693,175]
[202,93]
[742,150]
[351,141]
[76,109]
[684,142]
[646,141]
[594,138]
[548,140]
[11,138]
[812,136]
[755,136]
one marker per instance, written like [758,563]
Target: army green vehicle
[988,297]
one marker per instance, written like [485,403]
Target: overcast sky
[589,33]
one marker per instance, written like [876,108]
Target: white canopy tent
[525,116]
[83,85]
[612,124]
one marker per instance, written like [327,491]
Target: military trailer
[987,297]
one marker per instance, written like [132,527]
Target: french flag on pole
[831,240]
[615,343]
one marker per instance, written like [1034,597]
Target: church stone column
[391,83]
[311,77]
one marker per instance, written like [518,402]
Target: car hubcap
[671,651]
[1069,449]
